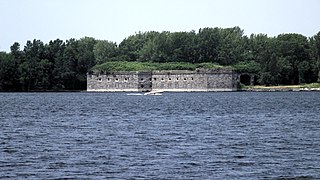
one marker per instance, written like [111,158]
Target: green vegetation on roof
[148,66]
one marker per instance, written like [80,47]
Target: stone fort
[199,80]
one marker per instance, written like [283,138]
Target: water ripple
[174,136]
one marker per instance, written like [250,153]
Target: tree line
[286,59]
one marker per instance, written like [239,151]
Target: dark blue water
[174,136]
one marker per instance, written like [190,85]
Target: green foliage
[8,77]
[247,67]
[315,54]
[312,85]
[175,66]
[150,66]
[105,51]
[231,47]
[62,65]
[142,66]
[207,42]
[123,66]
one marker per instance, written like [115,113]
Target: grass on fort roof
[148,66]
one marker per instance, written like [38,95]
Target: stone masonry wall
[113,82]
[179,81]
[199,80]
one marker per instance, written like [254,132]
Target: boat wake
[152,93]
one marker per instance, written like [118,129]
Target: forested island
[287,59]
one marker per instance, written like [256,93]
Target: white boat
[153,93]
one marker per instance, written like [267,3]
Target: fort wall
[174,80]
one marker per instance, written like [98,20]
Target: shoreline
[249,89]
[280,89]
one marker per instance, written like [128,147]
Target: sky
[114,20]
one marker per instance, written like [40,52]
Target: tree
[105,51]
[7,73]
[131,48]
[182,46]
[295,48]
[315,45]
[269,73]
[44,71]
[16,53]
[59,65]
[69,65]
[231,46]
[259,46]
[285,70]
[148,52]
[55,51]
[207,43]
[160,49]
[17,59]
[33,53]
[86,59]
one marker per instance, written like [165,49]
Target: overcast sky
[114,20]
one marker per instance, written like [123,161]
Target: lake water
[238,135]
